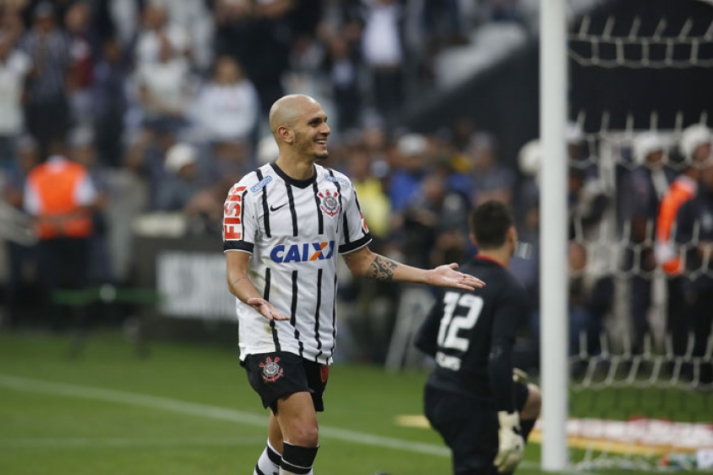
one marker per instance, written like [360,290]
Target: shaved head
[299,126]
[288,109]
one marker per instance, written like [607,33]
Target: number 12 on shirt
[452,323]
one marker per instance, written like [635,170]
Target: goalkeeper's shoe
[520,376]
[511,446]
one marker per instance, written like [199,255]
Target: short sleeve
[355,233]
[239,221]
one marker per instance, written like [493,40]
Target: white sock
[265,464]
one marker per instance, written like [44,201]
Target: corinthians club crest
[271,371]
[329,202]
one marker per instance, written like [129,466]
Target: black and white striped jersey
[294,229]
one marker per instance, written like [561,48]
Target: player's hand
[511,444]
[266,309]
[448,276]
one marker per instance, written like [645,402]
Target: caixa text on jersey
[312,251]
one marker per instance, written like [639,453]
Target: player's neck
[501,256]
[295,168]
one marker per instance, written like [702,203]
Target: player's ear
[286,134]
[512,235]
[473,240]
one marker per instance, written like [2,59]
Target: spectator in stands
[228,107]
[205,207]
[120,19]
[373,135]
[451,163]
[11,23]
[230,159]
[163,88]
[81,69]
[14,66]
[234,28]
[156,31]
[238,23]
[109,101]
[590,298]
[587,200]
[412,164]
[433,221]
[587,204]
[695,146]
[182,181]
[525,264]
[492,180]
[21,258]
[192,18]
[697,213]
[343,69]
[375,204]
[641,195]
[307,56]
[463,131]
[46,109]
[61,196]
[145,158]
[84,153]
[383,51]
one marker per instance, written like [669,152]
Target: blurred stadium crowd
[163,102]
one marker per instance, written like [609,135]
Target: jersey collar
[292,181]
[487,259]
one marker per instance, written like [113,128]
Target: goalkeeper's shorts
[469,427]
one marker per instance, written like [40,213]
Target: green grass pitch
[189,410]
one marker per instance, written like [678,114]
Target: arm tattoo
[381,268]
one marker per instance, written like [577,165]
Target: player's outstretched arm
[242,287]
[364,263]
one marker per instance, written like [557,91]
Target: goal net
[641,394]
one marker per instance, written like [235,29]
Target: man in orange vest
[695,147]
[61,196]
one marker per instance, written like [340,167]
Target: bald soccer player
[284,225]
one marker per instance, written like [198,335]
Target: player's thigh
[468,427]
[298,419]
[528,399]
[522,393]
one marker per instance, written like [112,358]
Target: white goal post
[553,234]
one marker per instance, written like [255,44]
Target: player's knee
[533,403]
[304,435]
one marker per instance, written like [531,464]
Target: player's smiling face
[311,132]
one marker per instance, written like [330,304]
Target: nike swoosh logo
[275,208]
